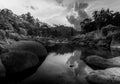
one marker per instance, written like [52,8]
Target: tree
[87,25]
[103,18]
[30,18]
[100,19]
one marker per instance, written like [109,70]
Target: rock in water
[30,46]
[101,63]
[19,63]
[108,76]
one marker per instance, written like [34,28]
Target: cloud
[76,10]
[32,7]
[80,16]
[42,9]
[69,12]
[80,9]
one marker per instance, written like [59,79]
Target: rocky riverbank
[106,71]
[21,59]
[108,37]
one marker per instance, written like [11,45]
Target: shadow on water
[65,65]
[60,49]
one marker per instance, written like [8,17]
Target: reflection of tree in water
[78,66]
[84,52]
[61,49]
[64,49]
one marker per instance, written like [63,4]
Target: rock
[115,52]
[30,46]
[98,62]
[115,41]
[22,31]
[19,62]
[109,30]
[2,70]
[14,36]
[105,42]
[108,76]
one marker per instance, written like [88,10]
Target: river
[65,65]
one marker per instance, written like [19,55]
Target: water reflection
[65,65]
[57,69]
[79,68]
[61,49]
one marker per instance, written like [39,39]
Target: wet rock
[98,62]
[108,76]
[19,62]
[30,46]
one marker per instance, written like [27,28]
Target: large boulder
[108,76]
[30,46]
[19,63]
[98,62]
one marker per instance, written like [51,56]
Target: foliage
[27,25]
[100,19]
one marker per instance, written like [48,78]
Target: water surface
[65,65]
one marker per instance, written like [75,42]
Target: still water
[65,65]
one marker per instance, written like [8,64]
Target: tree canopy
[101,18]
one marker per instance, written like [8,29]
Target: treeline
[20,26]
[100,19]
[102,30]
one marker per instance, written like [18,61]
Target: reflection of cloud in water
[75,57]
[54,69]
[78,66]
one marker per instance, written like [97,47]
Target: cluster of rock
[107,37]
[107,70]
[21,59]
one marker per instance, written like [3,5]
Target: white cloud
[54,11]
[45,10]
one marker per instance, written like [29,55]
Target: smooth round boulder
[98,62]
[19,65]
[18,61]
[30,46]
[108,76]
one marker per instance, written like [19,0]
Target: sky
[66,12]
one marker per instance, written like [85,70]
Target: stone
[17,61]
[98,62]
[107,76]
[115,43]
[30,46]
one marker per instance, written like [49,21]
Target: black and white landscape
[59,41]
